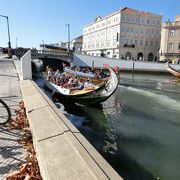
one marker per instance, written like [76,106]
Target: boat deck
[83,91]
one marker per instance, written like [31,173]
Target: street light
[43,45]
[16,42]
[9,43]
[68,26]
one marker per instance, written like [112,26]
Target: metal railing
[42,54]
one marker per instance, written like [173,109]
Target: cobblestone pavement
[12,154]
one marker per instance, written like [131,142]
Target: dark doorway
[140,56]
[150,56]
[128,55]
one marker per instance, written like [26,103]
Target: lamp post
[9,43]
[16,42]
[68,28]
[43,45]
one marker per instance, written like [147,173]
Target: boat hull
[89,97]
[173,71]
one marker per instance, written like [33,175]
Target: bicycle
[5,113]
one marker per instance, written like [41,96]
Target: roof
[129,10]
[125,9]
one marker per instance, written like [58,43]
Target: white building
[76,44]
[126,34]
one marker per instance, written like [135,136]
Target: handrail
[40,53]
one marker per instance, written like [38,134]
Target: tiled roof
[126,9]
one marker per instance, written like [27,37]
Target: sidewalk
[12,154]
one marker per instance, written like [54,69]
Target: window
[108,42]
[147,21]
[131,29]
[109,22]
[103,24]
[97,43]
[126,41]
[146,43]
[135,42]
[97,27]
[141,42]
[122,29]
[102,42]
[172,32]
[179,45]
[122,41]
[170,46]
[151,43]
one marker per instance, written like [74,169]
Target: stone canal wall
[124,65]
[62,151]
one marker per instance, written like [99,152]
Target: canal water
[137,130]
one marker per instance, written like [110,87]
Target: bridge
[41,54]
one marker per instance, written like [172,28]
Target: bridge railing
[41,53]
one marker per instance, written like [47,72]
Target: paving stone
[12,154]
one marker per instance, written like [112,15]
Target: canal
[137,130]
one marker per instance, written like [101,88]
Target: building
[76,44]
[124,34]
[170,40]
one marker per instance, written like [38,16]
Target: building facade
[76,44]
[170,41]
[124,34]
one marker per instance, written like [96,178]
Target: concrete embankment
[62,151]
[124,65]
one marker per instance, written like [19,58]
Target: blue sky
[34,21]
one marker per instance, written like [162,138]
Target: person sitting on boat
[101,73]
[75,82]
[116,69]
[56,75]
[78,68]
[49,74]
[81,84]
[87,83]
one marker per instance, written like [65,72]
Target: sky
[33,22]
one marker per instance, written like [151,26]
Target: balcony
[129,45]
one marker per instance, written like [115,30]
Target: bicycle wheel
[5,113]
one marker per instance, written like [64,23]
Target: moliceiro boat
[94,93]
[173,70]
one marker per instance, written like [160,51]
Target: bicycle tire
[5,113]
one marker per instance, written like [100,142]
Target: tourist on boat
[56,75]
[88,83]
[78,68]
[116,69]
[81,84]
[49,74]
[101,73]
[75,82]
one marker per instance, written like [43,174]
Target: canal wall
[124,65]
[62,151]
